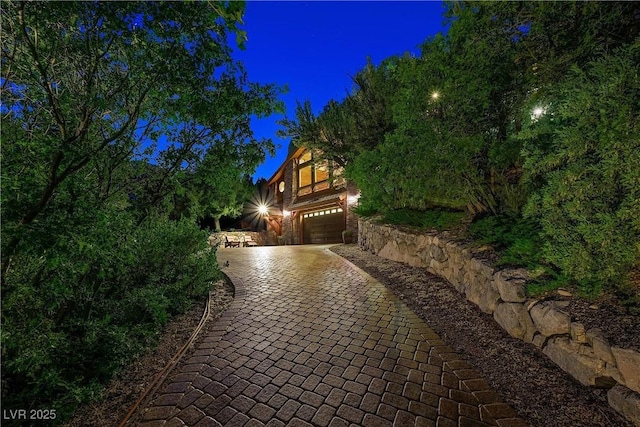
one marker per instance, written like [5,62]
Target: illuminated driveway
[312,340]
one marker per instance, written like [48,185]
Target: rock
[479,292]
[438,254]
[628,363]
[577,332]
[531,303]
[561,304]
[564,293]
[549,320]
[626,402]
[538,340]
[508,316]
[581,363]
[600,345]
[510,285]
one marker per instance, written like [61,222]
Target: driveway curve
[312,340]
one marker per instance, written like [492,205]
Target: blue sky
[314,47]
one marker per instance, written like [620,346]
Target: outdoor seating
[248,241]
[231,241]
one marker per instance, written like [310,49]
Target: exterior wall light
[353,199]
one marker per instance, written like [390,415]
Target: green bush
[426,220]
[582,160]
[516,238]
[76,310]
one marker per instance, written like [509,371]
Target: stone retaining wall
[263,238]
[585,354]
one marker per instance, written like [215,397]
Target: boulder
[578,333]
[511,284]
[508,315]
[580,362]
[626,402]
[549,320]
[438,254]
[628,363]
[479,292]
[600,345]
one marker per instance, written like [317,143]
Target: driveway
[310,339]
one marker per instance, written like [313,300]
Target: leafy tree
[91,78]
[114,113]
[345,129]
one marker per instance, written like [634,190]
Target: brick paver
[312,340]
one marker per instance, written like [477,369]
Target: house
[311,200]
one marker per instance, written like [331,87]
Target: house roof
[292,153]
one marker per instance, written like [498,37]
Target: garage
[323,226]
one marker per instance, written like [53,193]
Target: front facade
[312,201]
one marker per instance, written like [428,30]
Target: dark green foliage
[583,161]
[517,239]
[98,293]
[364,211]
[427,220]
[116,139]
[522,109]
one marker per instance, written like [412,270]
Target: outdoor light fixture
[537,113]
[286,213]
[263,210]
[435,95]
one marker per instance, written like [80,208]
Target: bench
[248,241]
[231,241]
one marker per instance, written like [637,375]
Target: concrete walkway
[310,339]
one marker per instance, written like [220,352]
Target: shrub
[76,310]
[582,159]
[431,219]
[516,238]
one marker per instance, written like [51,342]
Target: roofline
[280,170]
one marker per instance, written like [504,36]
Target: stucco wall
[585,354]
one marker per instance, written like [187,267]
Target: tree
[347,128]
[111,77]
[114,113]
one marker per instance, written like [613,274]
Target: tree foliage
[520,108]
[583,161]
[123,122]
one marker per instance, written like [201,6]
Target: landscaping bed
[535,387]
[129,384]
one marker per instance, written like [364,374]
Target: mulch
[531,383]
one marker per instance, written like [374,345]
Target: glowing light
[286,213]
[435,95]
[258,208]
[537,113]
[353,199]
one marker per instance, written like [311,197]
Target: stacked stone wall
[585,354]
[261,237]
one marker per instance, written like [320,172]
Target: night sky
[315,47]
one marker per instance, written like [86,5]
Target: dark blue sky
[315,47]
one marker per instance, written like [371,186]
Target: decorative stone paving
[312,340]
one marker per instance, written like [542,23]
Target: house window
[312,176]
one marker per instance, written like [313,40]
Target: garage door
[323,226]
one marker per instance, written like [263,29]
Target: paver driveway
[311,339]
